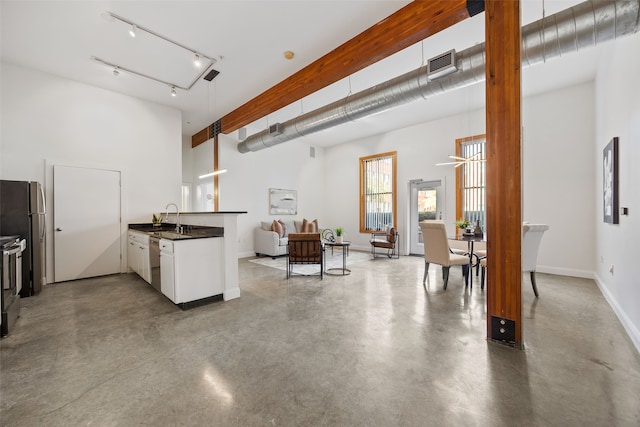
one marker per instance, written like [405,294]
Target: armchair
[437,251]
[305,248]
[385,240]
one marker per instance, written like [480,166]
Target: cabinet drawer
[142,238]
[166,246]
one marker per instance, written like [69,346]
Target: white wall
[557,173]
[557,176]
[51,120]
[618,114]
[558,129]
[418,149]
[202,196]
[245,187]
[187,170]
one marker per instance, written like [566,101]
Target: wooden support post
[504,181]
[216,206]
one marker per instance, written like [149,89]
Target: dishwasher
[154,262]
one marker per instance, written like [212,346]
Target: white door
[86,222]
[427,202]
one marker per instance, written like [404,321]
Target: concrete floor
[370,349]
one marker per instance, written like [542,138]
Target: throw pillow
[285,232]
[277,227]
[309,227]
[266,226]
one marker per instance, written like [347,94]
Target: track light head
[197,62]
[173,91]
[116,71]
[133,30]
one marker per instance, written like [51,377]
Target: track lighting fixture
[202,62]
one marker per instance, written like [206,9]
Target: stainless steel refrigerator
[22,213]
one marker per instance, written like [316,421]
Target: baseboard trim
[584,274]
[631,329]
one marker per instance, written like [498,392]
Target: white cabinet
[167,272]
[192,269]
[138,254]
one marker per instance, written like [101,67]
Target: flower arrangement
[462,224]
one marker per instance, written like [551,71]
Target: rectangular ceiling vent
[275,129]
[442,65]
[211,75]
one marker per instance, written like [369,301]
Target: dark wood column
[504,182]
[216,202]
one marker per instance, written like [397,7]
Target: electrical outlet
[611,269]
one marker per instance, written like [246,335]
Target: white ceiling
[248,39]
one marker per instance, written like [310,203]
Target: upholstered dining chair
[305,248]
[437,251]
[388,241]
[531,237]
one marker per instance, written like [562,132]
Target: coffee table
[345,250]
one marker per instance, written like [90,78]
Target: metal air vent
[275,129]
[442,65]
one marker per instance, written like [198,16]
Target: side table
[345,249]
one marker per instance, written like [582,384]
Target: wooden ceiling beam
[409,25]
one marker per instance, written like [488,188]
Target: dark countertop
[213,213]
[168,231]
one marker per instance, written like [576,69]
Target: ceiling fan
[459,161]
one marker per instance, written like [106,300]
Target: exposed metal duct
[584,25]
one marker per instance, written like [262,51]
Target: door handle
[58,229]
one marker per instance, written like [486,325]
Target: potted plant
[463,224]
[156,220]
[339,232]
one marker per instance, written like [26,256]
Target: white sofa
[268,242]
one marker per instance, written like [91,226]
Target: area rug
[332,261]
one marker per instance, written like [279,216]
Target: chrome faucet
[166,215]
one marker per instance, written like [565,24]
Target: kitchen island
[209,241]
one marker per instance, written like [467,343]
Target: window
[471,179]
[377,192]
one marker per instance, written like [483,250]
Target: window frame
[460,171]
[394,192]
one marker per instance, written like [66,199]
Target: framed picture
[610,182]
[283,202]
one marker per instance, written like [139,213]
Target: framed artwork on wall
[610,201]
[283,202]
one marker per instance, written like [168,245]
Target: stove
[11,280]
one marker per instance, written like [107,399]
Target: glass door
[427,202]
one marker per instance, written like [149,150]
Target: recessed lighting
[289,55]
